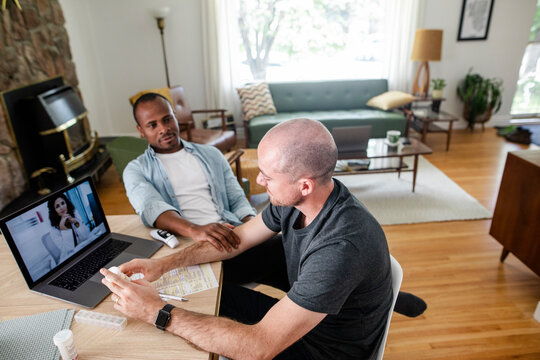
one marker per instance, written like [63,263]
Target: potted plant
[481,98]
[438,86]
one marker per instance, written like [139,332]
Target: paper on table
[186,280]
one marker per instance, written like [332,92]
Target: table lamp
[160,14]
[427,47]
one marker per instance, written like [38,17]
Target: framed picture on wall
[475,18]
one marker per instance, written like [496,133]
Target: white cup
[392,137]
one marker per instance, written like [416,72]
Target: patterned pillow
[256,100]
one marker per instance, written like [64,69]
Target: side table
[423,120]
[515,219]
[250,170]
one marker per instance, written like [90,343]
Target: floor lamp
[160,14]
[427,47]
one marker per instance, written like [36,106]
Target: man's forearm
[251,234]
[198,253]
[247,218]
[174,223]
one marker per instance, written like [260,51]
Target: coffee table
[385,158]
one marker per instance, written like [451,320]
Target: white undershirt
[190,187]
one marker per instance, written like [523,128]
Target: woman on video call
[68,229]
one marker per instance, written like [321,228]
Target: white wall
[498,56]
[117,50]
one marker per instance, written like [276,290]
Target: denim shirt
[150,192]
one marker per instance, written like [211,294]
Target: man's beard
[297,200]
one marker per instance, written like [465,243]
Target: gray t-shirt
[338,265]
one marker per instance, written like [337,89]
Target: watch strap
[164,316]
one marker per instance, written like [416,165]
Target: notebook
[352,141]
[61,241]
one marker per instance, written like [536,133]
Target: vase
[436,94]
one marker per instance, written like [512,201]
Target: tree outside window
[284,40]
[527,97]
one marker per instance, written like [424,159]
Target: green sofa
[334,103]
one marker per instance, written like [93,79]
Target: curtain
[220,34]
[404,17]
[219,29]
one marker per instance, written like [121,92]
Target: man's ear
[140,130]
[306,186]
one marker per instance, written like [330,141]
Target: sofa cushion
[390,100]
[325,95]
[256,100]
[381,121]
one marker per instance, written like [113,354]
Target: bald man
[335,259]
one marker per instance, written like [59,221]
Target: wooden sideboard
[516,220]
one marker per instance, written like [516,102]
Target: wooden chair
[233,157]
[223,139]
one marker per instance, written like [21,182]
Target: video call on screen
[56,229]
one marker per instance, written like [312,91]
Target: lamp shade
[427,45]
[161,12]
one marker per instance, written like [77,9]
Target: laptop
[352,141]
[61,241]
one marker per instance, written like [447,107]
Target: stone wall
[34,46]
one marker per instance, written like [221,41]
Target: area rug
[436,197]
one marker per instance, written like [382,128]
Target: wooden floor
[478,308]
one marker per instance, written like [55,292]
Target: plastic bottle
[116,270]
[64,341]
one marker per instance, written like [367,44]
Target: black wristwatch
[163,317]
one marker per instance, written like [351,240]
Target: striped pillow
[256,100]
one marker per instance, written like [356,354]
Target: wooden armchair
[223,139]
[233,158]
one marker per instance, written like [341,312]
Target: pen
[171,297]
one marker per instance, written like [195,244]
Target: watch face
[163,317]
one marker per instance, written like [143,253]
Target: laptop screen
[44,235]
[352,138]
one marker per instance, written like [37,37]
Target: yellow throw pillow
[256,100]
[390,100]
[161,91]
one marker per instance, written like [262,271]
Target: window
[280,40]
[527,97]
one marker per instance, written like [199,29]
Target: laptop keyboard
[87,267]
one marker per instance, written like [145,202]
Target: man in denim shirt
[184,188]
